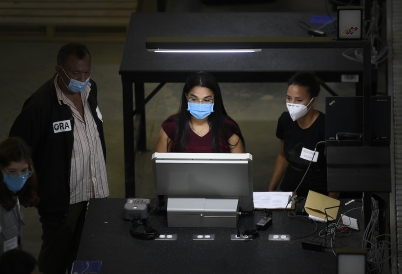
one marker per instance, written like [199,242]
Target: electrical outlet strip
[234,237]
[203,237]
[166,237]
[278,237]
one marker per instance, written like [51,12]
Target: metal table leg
[128,127]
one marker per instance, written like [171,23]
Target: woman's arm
[236,145]
[281,165]
[163,142]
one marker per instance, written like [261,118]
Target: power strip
[279,237]
[166,237]
[203,237]
[234,237]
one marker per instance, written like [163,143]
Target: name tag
[307,154]
[10,244]
[62,126]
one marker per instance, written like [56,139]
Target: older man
[62,123]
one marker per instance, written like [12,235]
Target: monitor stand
[202,212]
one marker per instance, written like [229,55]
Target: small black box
[312,245]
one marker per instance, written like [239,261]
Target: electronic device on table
[204,189]
[352,166]
[344,120]
[136,208]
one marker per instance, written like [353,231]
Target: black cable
[304,25]
[146,234]
[310,30]
[301,236]
[334,22]
[268,213]
[308,167]
[327,221]
[156,206]
[251,234]
[294,216]
[294,196]
[247,233]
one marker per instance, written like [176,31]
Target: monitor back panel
[178,179]
[205,175]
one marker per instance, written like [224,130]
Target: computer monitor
[351,166]
[204,175]
[344,120]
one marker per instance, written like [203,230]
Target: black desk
[106,237]
[271,65]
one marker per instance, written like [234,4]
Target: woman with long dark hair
[17,186]
[202,124]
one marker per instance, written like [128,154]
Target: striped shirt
[88,178]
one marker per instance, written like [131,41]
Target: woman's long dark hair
[15,150]
[216,119]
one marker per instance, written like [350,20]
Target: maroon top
[195,142]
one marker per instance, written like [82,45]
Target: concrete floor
[25,66]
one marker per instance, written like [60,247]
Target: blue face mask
[75,85]
[15,183]
[200,111]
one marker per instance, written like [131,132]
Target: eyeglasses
[194,100]
[14,175]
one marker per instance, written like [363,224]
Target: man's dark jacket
[41,116]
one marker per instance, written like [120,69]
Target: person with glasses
[18,186]
[63,125]
[201,124]
[301,164]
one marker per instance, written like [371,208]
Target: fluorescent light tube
[205,50]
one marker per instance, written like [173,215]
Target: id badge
[309,155]
[87,267]
[10,244]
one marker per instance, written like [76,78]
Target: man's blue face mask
[75,85]
[200,111]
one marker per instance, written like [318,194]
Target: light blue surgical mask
[200,111]
[75,85]
[15,182]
